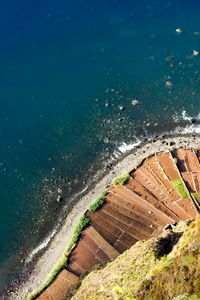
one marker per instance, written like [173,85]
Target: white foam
[85,189]
[124,147]
[186,116]
[43,245]
[189,129]
[116,154]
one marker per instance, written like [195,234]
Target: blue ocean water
[68,73]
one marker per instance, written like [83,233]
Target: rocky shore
[62,238]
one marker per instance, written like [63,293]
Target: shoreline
[61,239]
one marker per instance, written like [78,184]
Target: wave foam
[39,248]
[184,116]
[188,129]
[124,147]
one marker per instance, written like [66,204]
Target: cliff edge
[164,267]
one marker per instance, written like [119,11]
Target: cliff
[163,267]
[137,207]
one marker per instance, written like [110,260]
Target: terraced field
[165,188]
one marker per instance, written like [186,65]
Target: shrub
[121,179]
[99,202]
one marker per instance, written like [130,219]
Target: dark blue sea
[69,72]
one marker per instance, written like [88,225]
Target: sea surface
[69,71]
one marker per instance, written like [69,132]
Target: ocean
[69,74]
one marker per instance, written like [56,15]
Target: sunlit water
[69,71]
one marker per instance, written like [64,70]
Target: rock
[195,53]
[59,190]
[169,84]
[108,167]
[169,58]
[179,30]
[59,199]
[193,121]
[121,107]
[106,140]
[134,102]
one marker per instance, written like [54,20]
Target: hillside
[163,267]
[135,209]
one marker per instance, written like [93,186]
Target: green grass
[50,278]
[175,160]
[98,202]
[196,196]
[193,297]
[83,222]
[122,179]
[180,187]
[165,262]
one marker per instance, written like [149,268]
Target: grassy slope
[139,274]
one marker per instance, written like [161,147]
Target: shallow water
[66,69]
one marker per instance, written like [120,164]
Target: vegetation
[139,274]
[181,188]
[175,160]
[99,202]
[83,222]
[196,197]
[146,270]
[121,179]
[50,278]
